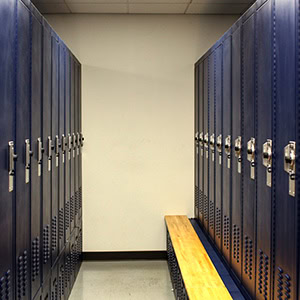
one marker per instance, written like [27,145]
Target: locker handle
[28,154]
[63,144]
[197,138]
[219,143]
[12,158]
[57,144]
[212,142]
[290,165]
[267,154]
[251,156]
[40,150]
[238,147]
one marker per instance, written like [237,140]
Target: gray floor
[139,280]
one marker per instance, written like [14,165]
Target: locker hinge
[219,147]
[212,146]
[228,150]
[238,152]
[28,154]
[12,157]
[290,165]
[267,160]
[251,156]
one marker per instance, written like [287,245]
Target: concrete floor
[121,280]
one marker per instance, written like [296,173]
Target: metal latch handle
[12,158]
[290,166]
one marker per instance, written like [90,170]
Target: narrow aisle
[121,280]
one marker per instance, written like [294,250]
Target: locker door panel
[236,229]
[61,277]
[47,156]
[212,154]
[285,207]
[249,172]
[55,137]
[23,267]
[264,132]
[7,117]
[36,135]
[62,157]
[196,148]
[206,145]
[46,289]
[201,145]
[227,149]
[81,143]
[218,149]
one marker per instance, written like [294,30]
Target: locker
[55,146]
[227,149]
[196,148]
[7,119]
[67,280]
[47,150]
[54,282]
[218,145]
[264,146]
[39,295]
[211,136]
[46,288]
[206,145]
[284,135]
[36,139]
[23,148]
[81,138]
[61,277]
[236,229]
[249,151]
[62,149]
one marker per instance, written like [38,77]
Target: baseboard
[130,255]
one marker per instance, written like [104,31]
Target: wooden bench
[192,272]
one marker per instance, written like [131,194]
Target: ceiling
[143,6]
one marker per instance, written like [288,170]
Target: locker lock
[267,160]
[50,148]
[228,149]
[40,151]
[238,152]
[28,154]
[206,143]
[12,158]
[212,146]
[251,156]
[290,165]
[219,147]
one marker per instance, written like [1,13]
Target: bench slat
[201,279]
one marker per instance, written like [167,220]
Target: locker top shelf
[201,279]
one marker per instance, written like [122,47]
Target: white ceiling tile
[217,9]
[98,8]
[223,1]
[95,1]
[139,8]
[52,8]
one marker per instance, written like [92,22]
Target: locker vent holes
[80,198]
[5,286]
[76,203]
[46,244]
[54,293]
[236,243]
[201,202]
[226,232]
[283,284]
[35,258]
[54,233]
[218,223]
[72,210]
[205,208]
[61,223]
[67,215]
[263,274]
[22,275]
[211,214]
[248,257]
[61,284]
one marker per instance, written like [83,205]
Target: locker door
[61,277]
[7,117]
[46,289]
[55,138]
[22,243]
[36,139]
[206,145]
[227,149]
[236,230]
[249,154]
[219,142]
[201,144]
[264,133]
[196,148]
[54,282]
[67,270]
[212,152]
[72,128]
[47,146]
[81,144]
[285,281]
[62,151]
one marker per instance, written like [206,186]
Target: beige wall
[138,119]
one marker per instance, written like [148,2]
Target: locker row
[40,153]
[247,133]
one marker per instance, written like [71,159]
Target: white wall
[138,121]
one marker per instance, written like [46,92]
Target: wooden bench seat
[199,277]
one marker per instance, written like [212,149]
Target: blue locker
[196,148]
[36,147]
[219,143]
[206,146]
[23,149]
[236,230]
[284,135]
[7,119]
[212,150]
[249,150]
[62,148]
[264,150]
[47,150]
[201,141]
[56,141]
[227,149]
